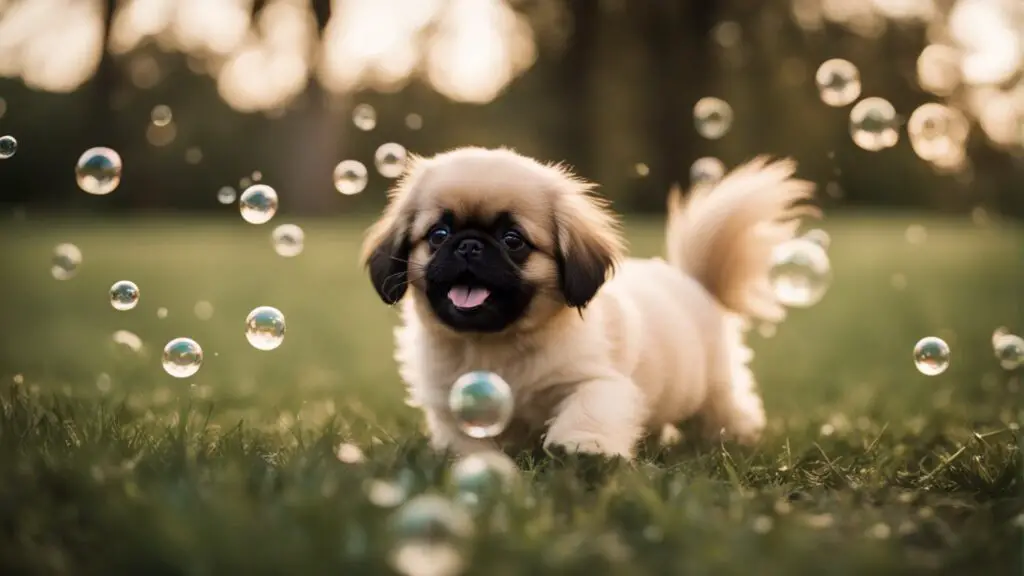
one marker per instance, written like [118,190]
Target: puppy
[505,264]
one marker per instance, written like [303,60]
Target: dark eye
[513,240]
[437,236]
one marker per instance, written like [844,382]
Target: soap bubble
[483,476]
[481,403]
[819,237]
[161,115]
[203,310]
[182,357]
[161,313]
[874,125]
[413,121]
[288,240]
[265,327]
[429,534]
[8,146]
[390,160]
[98,171]
[258,204]
[128,339]
[931,356]
[937,133]
[226,195]
[801,273]
[1009,349]
[350,177]
[712,117]
[838,82]
[66,260]
[364,117]
[124,295]
[706,170]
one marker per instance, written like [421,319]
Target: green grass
[108,465]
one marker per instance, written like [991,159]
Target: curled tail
[723,234]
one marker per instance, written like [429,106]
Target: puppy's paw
[577,442]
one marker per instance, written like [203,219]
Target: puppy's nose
[469,248]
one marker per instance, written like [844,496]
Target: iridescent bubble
[838,82]
[938,132]
[801,273]
[226,195]
[481,403]
[98,171]
[364,117]
[161,115]
[706,170]
[350,177]
[66,260]
[8,146]
[390,160]
[288,240]
[258,204]
[874,125]
[429,535]
[265,327]
[1009,349]
[819,237]
[182,357]
[483,477]
[124,295]
[931,356]
[712,117]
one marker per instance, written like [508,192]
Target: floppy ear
[589,243]
[387,246]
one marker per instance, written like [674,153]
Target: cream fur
[662,341]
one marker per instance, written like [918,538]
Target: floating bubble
[364,117]
[265,327]
[819,237]
[481,403]
[66,260]
[838,82]
[161,115]
[429,534]
[642,169]
[413,121]
[258,204]
[931,356]
[350,177]
[161,313]
[712,117]
[482,477]
[874,125]
[128,339]
[124,295]
[801,273]
[226,195]
[182,357]
[256,176]
[203,310]
[98,171]
[288,240]
[1009,349]
[8,146]
[937,133]
[390,160]
[706,170]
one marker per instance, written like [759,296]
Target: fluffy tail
[723,234]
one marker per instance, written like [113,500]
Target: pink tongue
[466,297]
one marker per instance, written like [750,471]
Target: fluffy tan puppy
[505,264]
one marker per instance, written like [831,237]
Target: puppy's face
[493,241]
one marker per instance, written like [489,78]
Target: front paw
[576,442]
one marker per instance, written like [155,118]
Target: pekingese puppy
[505,264]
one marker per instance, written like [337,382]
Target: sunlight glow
[53,45]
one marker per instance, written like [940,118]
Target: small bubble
[124,295]
[874,125]
[1009,349]
[265,328]
[350,453]
[182,357]
[838,82]
[258,204]
[641,169]
[98,171]
[482,477]
[937,133]
[244,182]
[256,176]
[161,313]
[350,177]
[364,117]
[226,195]
[481,403]
[66,260]
[706,170]
[429,534]
[128,339]
[413,121]
[931,356]
[203,310]
[801,273]
[288,240]
[8,146]
[390,160]
[161,115]
[712,117]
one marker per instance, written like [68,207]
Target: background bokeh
[607,85]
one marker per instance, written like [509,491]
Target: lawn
[108,465]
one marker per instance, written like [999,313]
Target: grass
[108,465]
